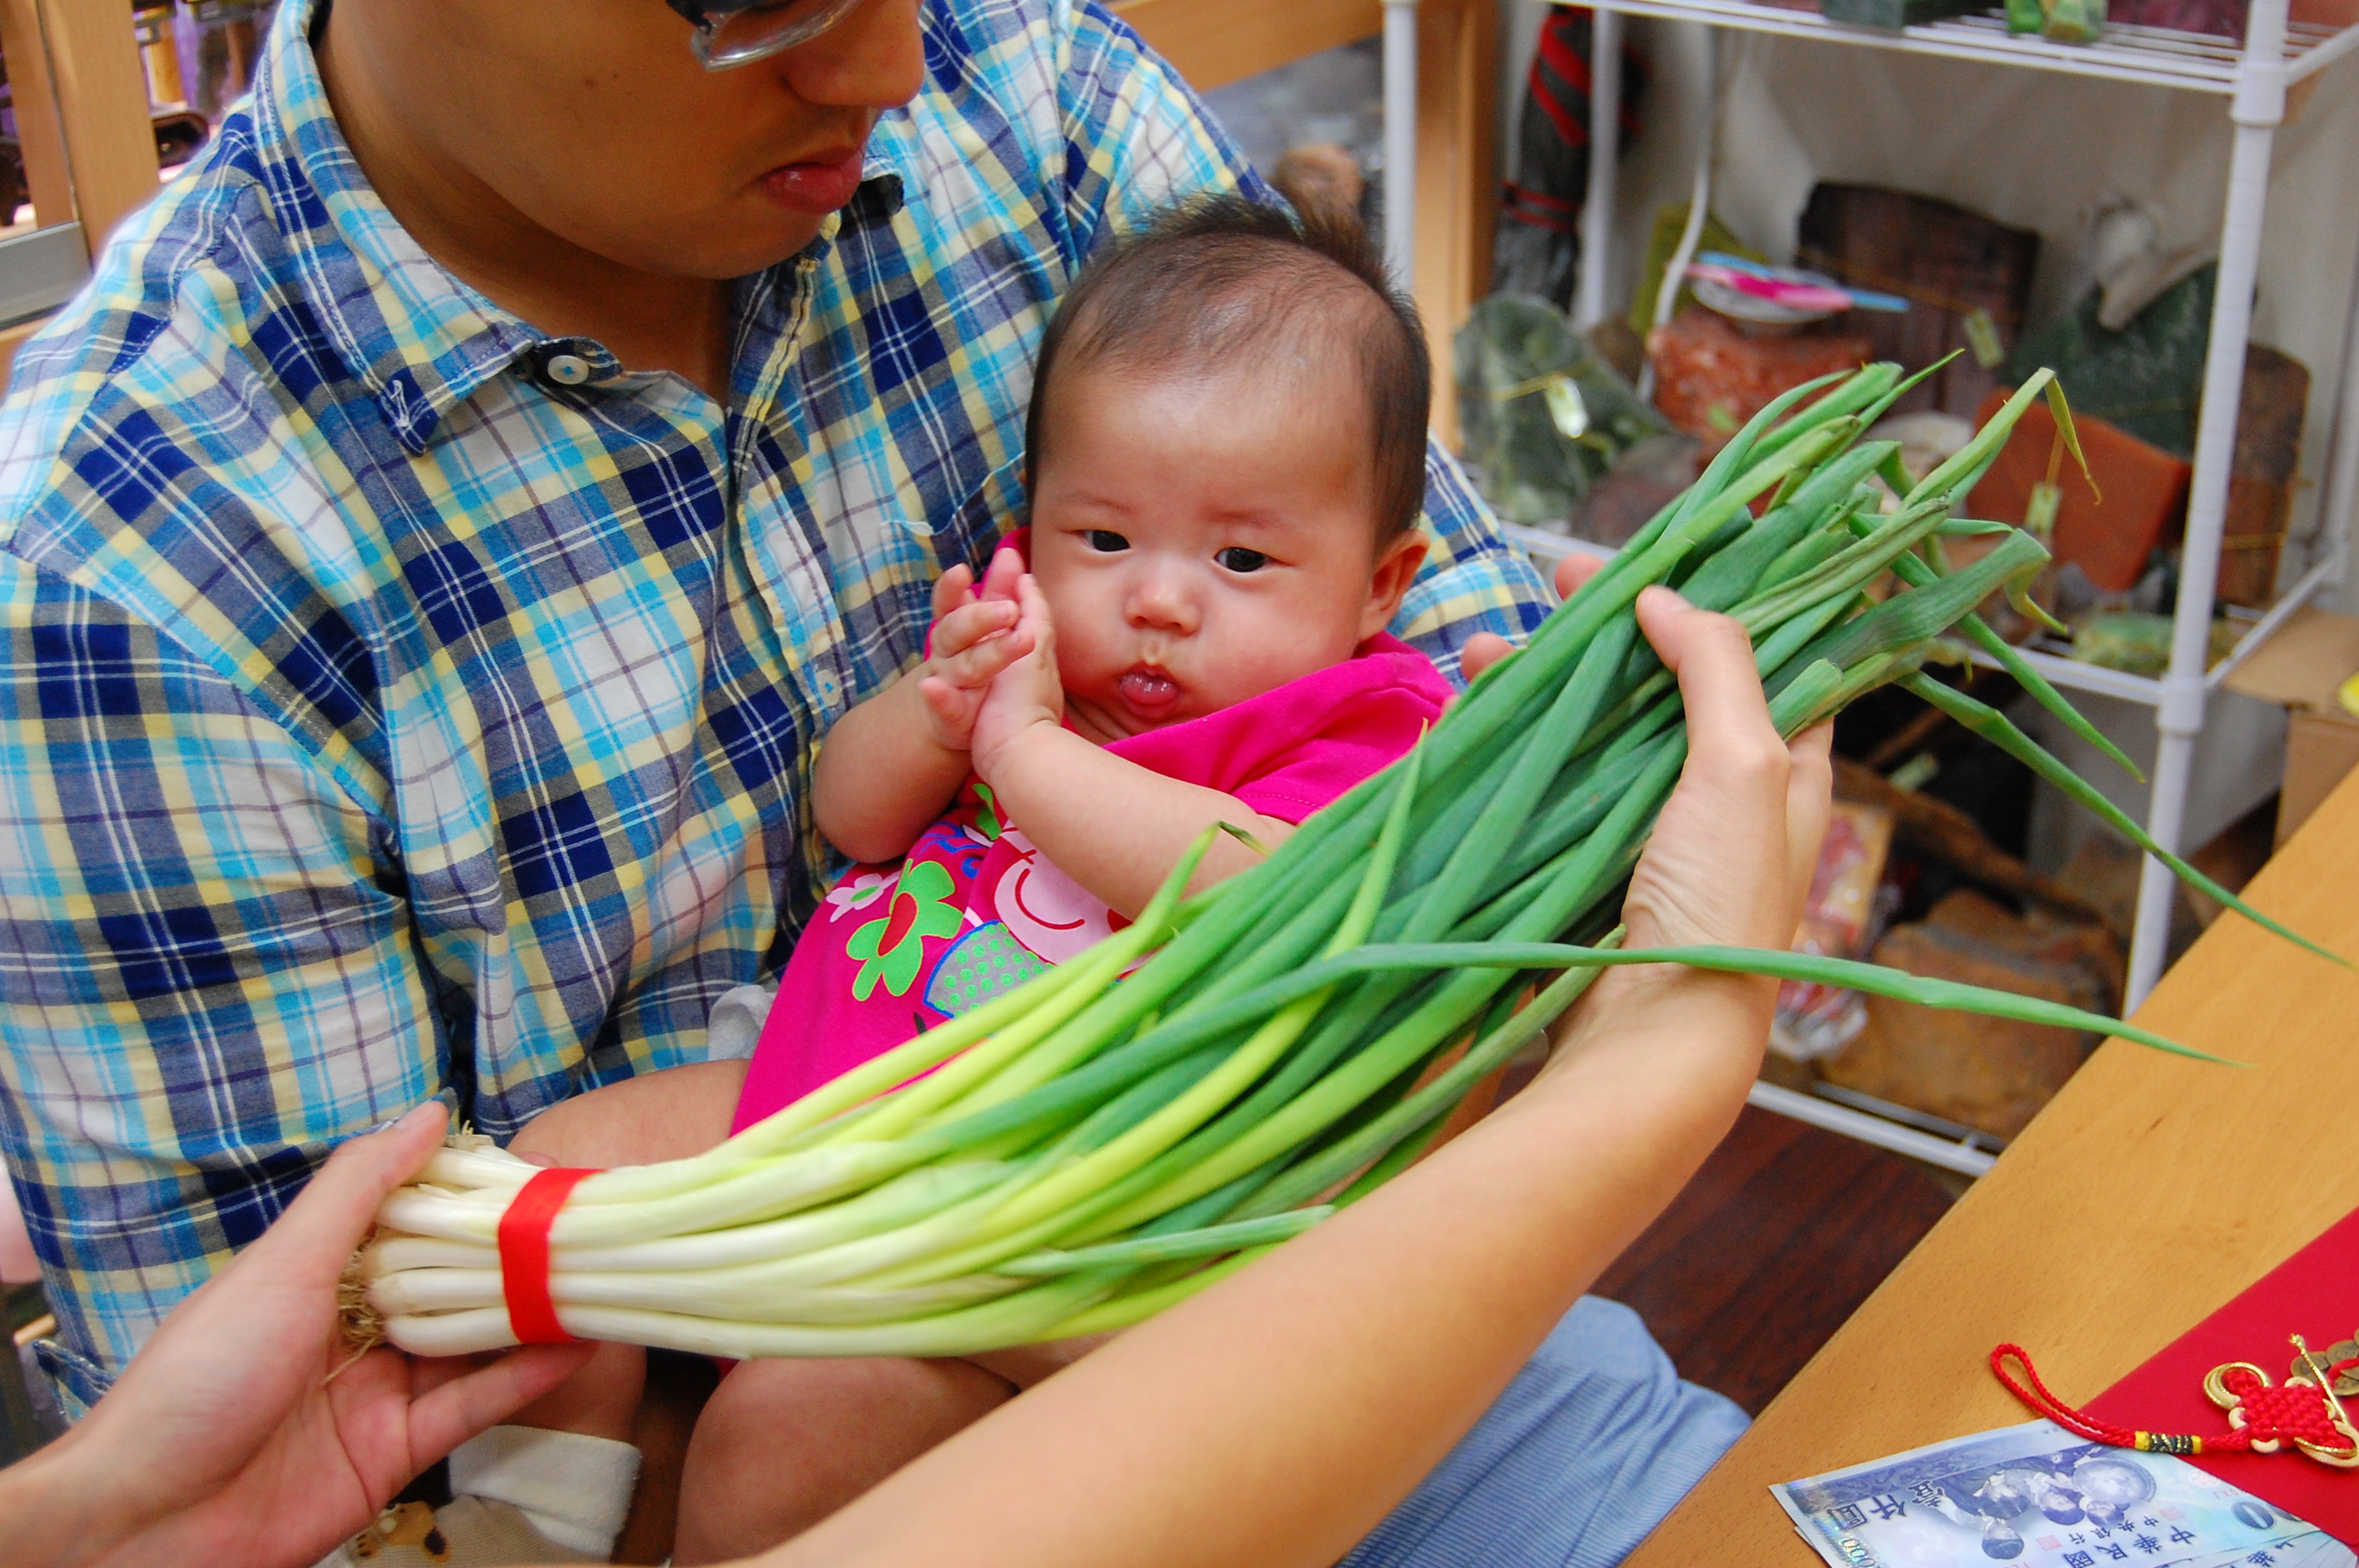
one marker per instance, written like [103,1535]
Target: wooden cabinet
[1215,42]
[87,143]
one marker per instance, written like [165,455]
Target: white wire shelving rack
[2253,78]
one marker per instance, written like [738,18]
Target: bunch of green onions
[1081,1151]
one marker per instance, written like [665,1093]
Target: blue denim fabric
[1592,1445]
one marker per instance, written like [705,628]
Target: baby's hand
[976,635]
[1027,693]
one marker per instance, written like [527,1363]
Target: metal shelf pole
[1604,158]
[1962,1158]
[2339,495]
[1400,141]
[2257,111]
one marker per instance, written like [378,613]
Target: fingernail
[433,1110]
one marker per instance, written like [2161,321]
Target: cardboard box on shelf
[2142,491]
[2301,667]
[1985,1073]
[2321,748]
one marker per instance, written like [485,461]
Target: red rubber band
[524,1255]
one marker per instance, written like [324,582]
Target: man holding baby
[438,542]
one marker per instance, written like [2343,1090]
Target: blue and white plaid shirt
[382,717]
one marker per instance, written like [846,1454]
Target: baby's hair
[1226,281]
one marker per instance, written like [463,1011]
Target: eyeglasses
[749,30]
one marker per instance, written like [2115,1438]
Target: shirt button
[568,370]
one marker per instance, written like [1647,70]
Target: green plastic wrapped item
[2148,378]
[2063,21]
[2138,642]
[1544,418]
[2128,640]
[2075,21]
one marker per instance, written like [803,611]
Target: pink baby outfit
[973,909]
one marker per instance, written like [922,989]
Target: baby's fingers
[999,579]
[1037,623]
[969,625]
[952,709]
[971,668]
[953,588]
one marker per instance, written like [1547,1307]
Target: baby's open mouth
[1149,694]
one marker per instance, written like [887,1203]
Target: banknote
[2040,1497]
[2315,1549]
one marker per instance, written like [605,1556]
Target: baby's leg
[782,1444]
[659,1116]
[662,1116]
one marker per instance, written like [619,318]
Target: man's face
[594,121]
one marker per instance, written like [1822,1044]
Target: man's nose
[874,58]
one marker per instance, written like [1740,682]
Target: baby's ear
[1396,564]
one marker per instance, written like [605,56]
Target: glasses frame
[708,21]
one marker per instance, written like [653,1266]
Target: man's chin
[752,237]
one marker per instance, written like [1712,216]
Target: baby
[1225,461]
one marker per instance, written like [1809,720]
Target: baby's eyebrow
[1258,517]
[1093,500]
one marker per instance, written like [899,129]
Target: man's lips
[1149,694]
[818,185]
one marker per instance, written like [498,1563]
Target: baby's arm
[891,765]
[1114,827]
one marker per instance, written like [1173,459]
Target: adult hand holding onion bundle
[244,1433]
[1091,1148]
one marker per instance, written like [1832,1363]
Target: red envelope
[2315,1293]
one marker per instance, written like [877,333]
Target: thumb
[953,588]
[1482,651]
[317,1234]
[1006,568]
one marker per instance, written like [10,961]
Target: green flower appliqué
[986,817]
[893,949]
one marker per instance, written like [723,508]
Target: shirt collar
[419,339]
[408,329]
[880,196]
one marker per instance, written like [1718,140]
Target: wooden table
[2147,1194]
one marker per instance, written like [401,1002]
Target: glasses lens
[738,38]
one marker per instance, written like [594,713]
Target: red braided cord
[2272,1412]
[2049,1405]
[524,1255]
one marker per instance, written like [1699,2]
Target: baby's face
[1200,542]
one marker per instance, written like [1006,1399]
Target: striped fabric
[1586,1452]
[383,719]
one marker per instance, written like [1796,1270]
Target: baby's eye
[1237,558]
[1106,540]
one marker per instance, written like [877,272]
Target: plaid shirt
[390,711]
